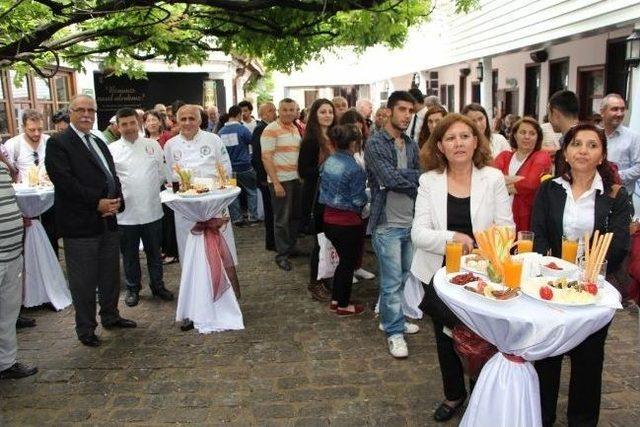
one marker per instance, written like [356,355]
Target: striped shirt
[11,227]
[283,143]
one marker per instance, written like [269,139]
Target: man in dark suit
[87,197]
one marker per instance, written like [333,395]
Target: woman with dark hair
[478,115]
[342,192]
[583,199]
[314,150]
[154,127]
[431,119]
[352,116]
[458,195]
[222,120]
[523,168]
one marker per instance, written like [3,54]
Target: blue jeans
[394,251]
[248,182]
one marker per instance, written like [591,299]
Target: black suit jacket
[79,184]
[256,154]
[612,214]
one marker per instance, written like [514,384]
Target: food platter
[474,263]
[469,277]
[489,291]
[188,195]
[573,293]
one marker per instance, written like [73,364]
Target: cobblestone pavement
[295,364]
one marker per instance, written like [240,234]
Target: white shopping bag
[412,297]
[328,258]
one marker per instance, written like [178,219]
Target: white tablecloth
[43,278]
[195,301]
[507,393]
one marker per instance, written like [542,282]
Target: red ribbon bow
[218,257]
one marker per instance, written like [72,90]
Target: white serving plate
[486,298]
[531,287]
[568,269]
[464,265]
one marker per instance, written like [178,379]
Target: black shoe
[25,322]
[187,325]
[132,299]
[18,370]
[271,248]
[90,341]
[446,412]
[284,264]
[163,293]
[120,323]
[241,223]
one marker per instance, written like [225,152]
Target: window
[532,90]
[494,91]
[443,94]
[432,84]
[46,95]
[475,92]
[451,93]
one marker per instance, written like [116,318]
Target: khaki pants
[10,301]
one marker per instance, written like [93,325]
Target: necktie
[413,127]
[111,183]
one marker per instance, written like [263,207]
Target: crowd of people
[412,176]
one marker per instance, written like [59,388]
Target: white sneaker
[354,280]
[409,328]
[398,346]
[364,274]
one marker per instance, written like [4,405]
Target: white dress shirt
[499,144]
[199,154]
[20,153]
[579,215]
[250,125]
[140,167]
[413,131]
[623,149]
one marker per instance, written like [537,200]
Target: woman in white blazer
[459,194]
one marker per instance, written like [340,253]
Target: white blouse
[579,215]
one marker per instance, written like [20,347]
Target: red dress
[534,167]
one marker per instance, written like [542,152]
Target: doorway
[590,90]
[532,90]
[616,69]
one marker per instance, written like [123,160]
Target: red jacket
[534,167]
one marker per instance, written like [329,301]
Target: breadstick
[585,265]
[603,251]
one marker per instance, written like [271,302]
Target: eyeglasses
[36,158]
[84,110]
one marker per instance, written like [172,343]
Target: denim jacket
[342,183]
[381,160]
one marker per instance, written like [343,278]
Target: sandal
[169,260]
[446,412]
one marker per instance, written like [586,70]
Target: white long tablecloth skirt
[43,278]
[507,393]
[195,302]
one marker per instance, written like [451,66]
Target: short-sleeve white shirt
[199,154]
[23,156]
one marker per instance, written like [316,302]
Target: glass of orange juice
[569,249]
[512,266]
[525,241]
[453,254]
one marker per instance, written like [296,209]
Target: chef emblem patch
[177,155]
[149,150]
[205,150]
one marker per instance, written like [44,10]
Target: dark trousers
[585,384]
[93,262]
[450,364]
[345,238]
[151,235]
[286,217]
[269,239]
[48,219]
[169,239]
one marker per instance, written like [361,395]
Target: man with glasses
[88,196]
[28,150]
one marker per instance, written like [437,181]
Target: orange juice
[525,246]
[525,241]
[569,250]
[453,254]
[512,272]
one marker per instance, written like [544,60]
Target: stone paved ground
[294,364]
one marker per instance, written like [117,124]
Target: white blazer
[490,204]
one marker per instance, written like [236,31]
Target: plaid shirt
[381,159]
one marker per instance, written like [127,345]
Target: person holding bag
[459,194]
[583,199]
[342,192]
